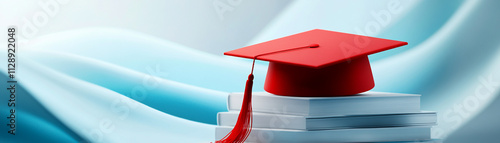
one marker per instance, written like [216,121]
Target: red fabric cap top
[335,64]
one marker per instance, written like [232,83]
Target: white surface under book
[363,103]
[327,136]
[279,121]
[425,141]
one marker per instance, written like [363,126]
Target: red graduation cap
[312,63]
[338,66]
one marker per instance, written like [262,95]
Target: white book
[363,103]
[280,121]
[414,133]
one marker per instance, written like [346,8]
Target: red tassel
[243,126]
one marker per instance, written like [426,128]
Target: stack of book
[365,117]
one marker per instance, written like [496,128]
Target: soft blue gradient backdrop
[127,71]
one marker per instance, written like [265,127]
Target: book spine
[347,135]
[266,121]
[277,121]
[271,105]
[385,105]
[331,107]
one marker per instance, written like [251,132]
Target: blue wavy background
[117,85]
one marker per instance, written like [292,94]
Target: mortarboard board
[338,66]
[312,63]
